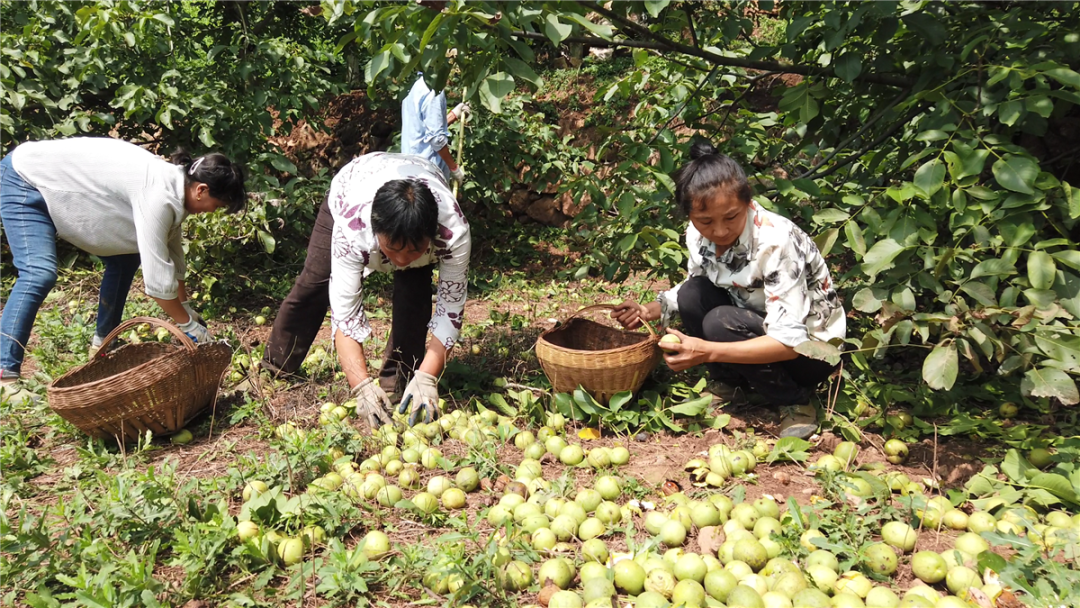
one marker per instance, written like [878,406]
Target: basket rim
[651,340]
[178,351]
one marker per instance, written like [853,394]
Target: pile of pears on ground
[583,546]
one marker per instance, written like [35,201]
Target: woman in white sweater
[114,200]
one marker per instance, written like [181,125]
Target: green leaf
[1016,466]
[881,256]
[1064,76]
[866,301]
[1041,270]
[855,238]
[789,448]
[282,164]
[1055,484]
[600,29]
[618,400]
[1052,383]
[521,70]
[1070,258]
[1009,112]
[555,30]
[993,268]
[494,88]
[693,407]
[971,161]
[655,6]
[822,351]
[797,99]
[940,367]
[992,561]
[930,177]
[831,215]
[826,240]
[1072,199]
[981,292]
[1016,173]
[848,66]
[1061,346]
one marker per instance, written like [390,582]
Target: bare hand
[629,314]
[688,353]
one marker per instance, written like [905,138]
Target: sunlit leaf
[1016,173]
[940,367]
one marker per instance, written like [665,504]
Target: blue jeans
[115,285]
[32,237]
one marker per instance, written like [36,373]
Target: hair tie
[195,165]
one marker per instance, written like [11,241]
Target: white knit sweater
[111,197]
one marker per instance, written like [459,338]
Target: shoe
[798,421]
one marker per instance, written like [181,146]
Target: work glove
[192,314]
[458,175]
[461,110]
[423,393]
[196,332]
[372,403]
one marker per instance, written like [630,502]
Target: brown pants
[301,314]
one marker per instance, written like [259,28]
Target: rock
[571,208]
[519,200]
[546,211]
[709,540]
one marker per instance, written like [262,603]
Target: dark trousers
[302,312]
[707,312]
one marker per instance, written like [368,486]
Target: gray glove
[458,175]
[192,314]
[372,403]
[423,393]
[461,110]
[196,332]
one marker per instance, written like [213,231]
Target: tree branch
[869,123]
[688,9]
[877,142]
[689,97]
[661,43]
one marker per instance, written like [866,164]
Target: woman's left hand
[687,353]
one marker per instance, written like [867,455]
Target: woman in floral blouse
[384,213]
[756,288]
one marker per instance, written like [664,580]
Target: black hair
[706,171]
[405,211]
[224,177]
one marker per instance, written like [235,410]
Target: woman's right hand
[630,314]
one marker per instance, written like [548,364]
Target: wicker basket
[603,360]
[149,386]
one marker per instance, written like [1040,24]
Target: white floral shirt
[355,250]
[774,269]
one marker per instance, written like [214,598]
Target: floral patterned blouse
[355,251]
[774,269]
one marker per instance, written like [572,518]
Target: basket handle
[132,322]
[610,307]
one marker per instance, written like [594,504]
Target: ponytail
[224,177]
[708,170]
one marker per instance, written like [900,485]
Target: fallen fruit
[896,451]
[184,437]
[291,551]
[928,567]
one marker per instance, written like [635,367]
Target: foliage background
[929,148]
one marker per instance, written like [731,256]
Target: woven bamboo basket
[149,386]
[601,359]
